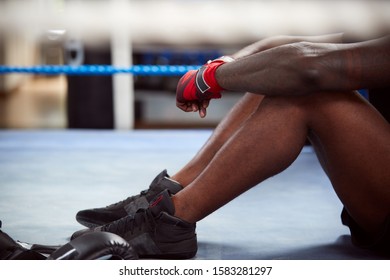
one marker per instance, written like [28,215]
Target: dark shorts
[380,242]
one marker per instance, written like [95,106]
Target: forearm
[283,70]
[355,66]
[275,41]
[303,68]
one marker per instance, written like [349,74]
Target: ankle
[179,179]
[185,176]
[173,180]
[183,213]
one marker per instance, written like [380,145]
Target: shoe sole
[167,250]
[87,223]
[170,256]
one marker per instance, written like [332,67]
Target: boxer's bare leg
[240,112]
[350,136]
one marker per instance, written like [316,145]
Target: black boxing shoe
[101,216]
[154,232]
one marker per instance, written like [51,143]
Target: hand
[194,106]
[197,87]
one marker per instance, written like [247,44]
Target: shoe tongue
[162,203]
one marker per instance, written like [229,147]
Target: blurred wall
[28,101]
[160,32]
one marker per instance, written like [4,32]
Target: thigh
[352,141]
[238,114]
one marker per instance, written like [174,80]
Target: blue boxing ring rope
[123,113]
[140,70]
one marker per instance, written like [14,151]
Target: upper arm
[349,66]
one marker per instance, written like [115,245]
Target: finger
[202,112]
[205,103]
[195,107]
[184,107]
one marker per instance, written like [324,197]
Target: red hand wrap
[201,84]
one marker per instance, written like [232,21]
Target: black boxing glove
[95,246]
[12,250]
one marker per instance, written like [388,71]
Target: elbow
[311,78]
[310,67]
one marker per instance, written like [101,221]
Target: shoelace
[130,223]
[129,199]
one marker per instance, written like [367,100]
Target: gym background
[75,32]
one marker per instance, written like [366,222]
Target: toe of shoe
[80,233]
